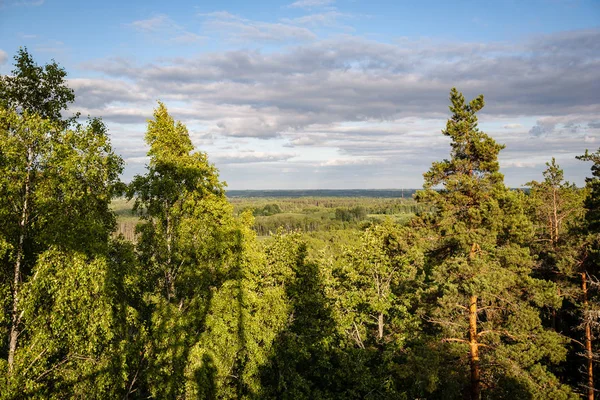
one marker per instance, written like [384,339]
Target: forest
[166,288]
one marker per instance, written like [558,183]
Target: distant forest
[462,290]
[388,193]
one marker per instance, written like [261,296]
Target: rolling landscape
[298,200]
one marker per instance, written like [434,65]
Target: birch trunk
[16,317]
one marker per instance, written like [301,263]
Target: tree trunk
[555,220]
[16,317]
[588,341]
[474,350]
[169,268]
[380,325]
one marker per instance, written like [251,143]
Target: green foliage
[71,175]
[187,246]
[479,259]
[35,89]
[267,210]
[303,362]
[592,203]
[56,183]
[555,206]
[377,285]
[357,213]
[76,343]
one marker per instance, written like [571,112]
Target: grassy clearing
[306,214]
[126,220]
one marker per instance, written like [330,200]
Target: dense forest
[480,292]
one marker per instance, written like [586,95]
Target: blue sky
[323,93]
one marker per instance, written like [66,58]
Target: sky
[327,94]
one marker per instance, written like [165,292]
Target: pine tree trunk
[474,350]
[16,317]
[555,219]
[588,341]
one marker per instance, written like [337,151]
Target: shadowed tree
[188,247]
[557,211]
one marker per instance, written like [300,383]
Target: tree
[592,202]
[35,89]
[247,312]
[480,267]
[557,211]
[79,341]
[177,186]
[378,285]
[588,268]
[374,288]
[188,246]
[556,205]
[56,184]
[304,363]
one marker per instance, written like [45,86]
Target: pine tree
[487,301]
[590,260]
[557,211]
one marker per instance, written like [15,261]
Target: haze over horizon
[324,94]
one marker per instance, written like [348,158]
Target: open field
[126,220]
[306,214]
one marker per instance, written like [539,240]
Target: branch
[34,361]
[46,372]
[455,340]
[358,338]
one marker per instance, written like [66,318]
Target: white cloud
[338,162]
[241,29]
[188,37]
[311,3]
[3,57]
[251,156]
[328,18]
[167,29]
[138,160]
[152,24]
[304,141]
[520,164]
[360,104]
[30,3]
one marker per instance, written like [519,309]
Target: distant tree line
[267,210]
[489,294]
[357,213]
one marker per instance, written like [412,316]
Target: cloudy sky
[327,93]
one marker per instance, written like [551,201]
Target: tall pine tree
[480,268]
